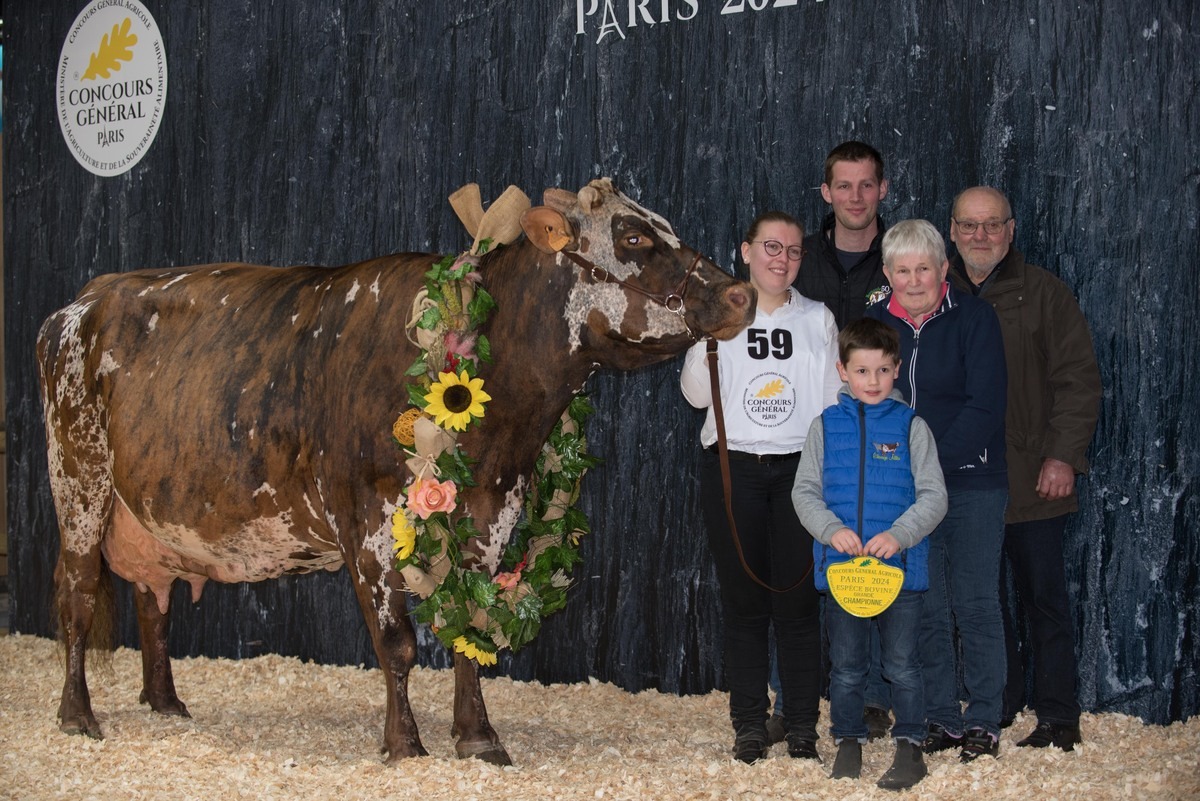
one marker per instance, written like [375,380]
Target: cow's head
[639,286]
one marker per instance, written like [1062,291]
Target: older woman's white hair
[913,237]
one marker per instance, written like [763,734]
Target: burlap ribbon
[501,223]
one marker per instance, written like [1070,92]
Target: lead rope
[723,455]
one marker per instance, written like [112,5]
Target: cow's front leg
[396,648]
[476,737]
[380,593]
[158,685]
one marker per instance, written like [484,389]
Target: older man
[1053,400]
[953,374]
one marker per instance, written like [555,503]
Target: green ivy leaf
[483,349]
[480,307]
[418,367]
[430,319]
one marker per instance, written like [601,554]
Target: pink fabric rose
[426,497]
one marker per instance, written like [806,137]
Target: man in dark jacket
[1053,401]
[842,268]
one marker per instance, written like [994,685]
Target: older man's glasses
[992,227]
[774,248]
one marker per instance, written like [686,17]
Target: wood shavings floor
[275,728]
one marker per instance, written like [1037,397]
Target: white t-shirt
[776,376]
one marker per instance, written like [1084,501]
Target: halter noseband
[671,301]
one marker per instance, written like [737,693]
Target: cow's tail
[100,636]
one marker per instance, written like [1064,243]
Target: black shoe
[878,721]
[750,744]
[1059,735]
[976,743]
[776,729]
[1007,721]
[908,767]
[802,747]
[939,739]
[848,764]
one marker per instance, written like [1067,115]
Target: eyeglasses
[774,248]
[992,227]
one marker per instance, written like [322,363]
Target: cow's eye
[636,240]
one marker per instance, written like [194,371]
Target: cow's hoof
[392,756]
[484,750]
[170,705]
[79,725]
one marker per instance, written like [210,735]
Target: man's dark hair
[868,334]
[853,151]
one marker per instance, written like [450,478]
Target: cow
[229,422]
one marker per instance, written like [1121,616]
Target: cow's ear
[547,229]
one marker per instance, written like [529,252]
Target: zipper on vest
[862,466]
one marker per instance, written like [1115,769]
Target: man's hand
[846,541]
[1057,480]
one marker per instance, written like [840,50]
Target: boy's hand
[846,541]
[882,546]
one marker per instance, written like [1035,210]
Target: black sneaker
[776,729]
[1059,735]
[878,721]
[802,747]
[750,744]
[978,742]
[939,739]
[908,767]
[848,764]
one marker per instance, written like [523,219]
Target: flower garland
[468,610]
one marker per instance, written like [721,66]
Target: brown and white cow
[232,422]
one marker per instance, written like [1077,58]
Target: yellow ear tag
[864,586]
[558,240]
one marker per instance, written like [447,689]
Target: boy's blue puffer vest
[868,481]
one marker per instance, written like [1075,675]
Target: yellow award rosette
[864,586]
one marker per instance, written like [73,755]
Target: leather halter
[671,301]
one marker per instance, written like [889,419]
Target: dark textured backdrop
[306,132]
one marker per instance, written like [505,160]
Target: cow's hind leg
[476,737]
[78,578]
[158,685]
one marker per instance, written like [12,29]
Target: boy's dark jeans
[850,654]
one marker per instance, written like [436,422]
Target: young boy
[869,484]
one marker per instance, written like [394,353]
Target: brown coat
[1053,382]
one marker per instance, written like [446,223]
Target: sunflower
[471,651]
[403,534]
[454,401]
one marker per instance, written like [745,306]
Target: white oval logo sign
[112,85]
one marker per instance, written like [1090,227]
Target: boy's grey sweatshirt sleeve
[808,494]
[920,519]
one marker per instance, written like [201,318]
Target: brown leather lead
[723,455]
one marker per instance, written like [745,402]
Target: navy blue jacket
[953,374]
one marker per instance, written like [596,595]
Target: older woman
[775,377]
[954,377]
